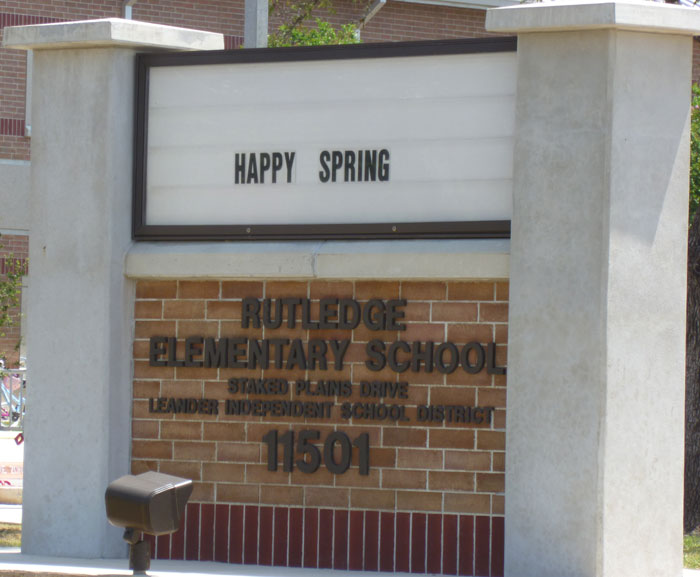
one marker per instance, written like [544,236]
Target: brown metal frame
[394,230]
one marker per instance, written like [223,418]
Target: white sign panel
[376,141]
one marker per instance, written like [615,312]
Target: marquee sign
[367,141]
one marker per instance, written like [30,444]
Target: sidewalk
[12,560]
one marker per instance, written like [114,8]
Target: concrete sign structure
[343,404]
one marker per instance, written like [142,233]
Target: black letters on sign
[337,451]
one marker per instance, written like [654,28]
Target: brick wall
[11,247]
[433,498]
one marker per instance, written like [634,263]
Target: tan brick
[183,309]
[148,309]
[423,332]
[501,334]
[423,291]
[450,481]
[152,450]
[202,493]
[194,451]
[498,505]
[352,478]
[502,289]
[491,440]
[230,493]
[468,460]
[384,290]
[139,466]
[146,389]
[322,476]
[187,328]
[241,289]
[454,312]
[418,501]
[418,459]
[470,291]
[259,474]
[361,373]
[451,439]
[402,437]
[198,289]
[363,334]
[181,389]
[467,333]
[331,289]
[141,350]
[467,503]
[382,457]
[181,430]
[501,356]
[142,370]
[499,461]
[382,499]
[189,373]
[238,452]
[156,289]
[144,429]
[147,329]
[223,472]
[326,497]
[398,479]
[140,410]
[224,432]
[223,310]
[490,482]
[462,378]
[282,495]
[493,312]
[453,396]
[490,397]
[187,469]
[286,289]
[499,420]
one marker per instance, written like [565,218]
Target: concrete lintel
[109,32]
[473,259]
[638,15]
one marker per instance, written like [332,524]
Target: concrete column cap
[637,15]
[109,32]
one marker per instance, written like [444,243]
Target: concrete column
[594,466]
[79,324]
[255,25]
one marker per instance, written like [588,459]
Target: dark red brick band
[337,539]
[12,126]
[8,19]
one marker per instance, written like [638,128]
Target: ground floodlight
[150,503]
